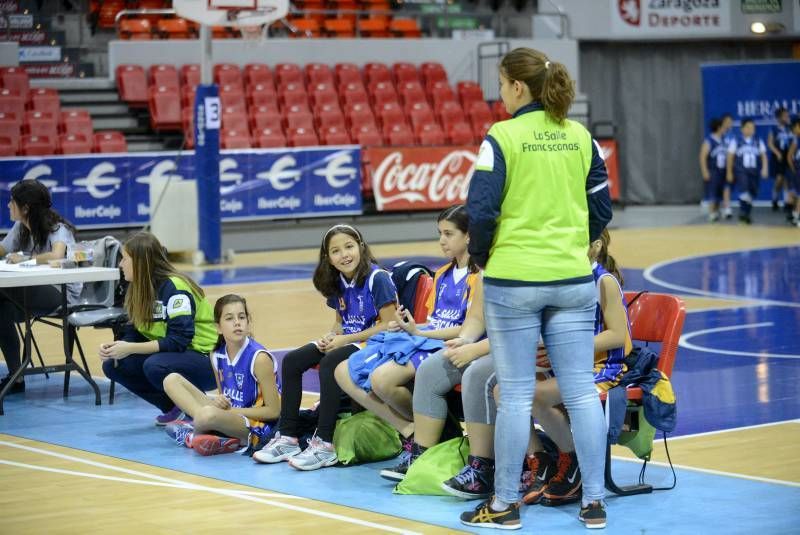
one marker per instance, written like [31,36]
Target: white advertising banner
[668,18]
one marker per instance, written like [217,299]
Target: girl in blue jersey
[453,288]
[713,161]
[248,403]
[778,142]
[744,154]
[793,173]
[364,299]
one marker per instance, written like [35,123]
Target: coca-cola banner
[609,148]
[419,178]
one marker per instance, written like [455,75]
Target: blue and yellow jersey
[609,366]
[450,299]
[359,306]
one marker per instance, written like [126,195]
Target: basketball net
[252,33]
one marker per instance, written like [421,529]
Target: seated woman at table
[39,233]
[171,328]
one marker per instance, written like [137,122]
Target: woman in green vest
[539,194]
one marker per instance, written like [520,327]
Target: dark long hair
[326,277]
[221,303]
[41,218]
[548,81]
[608,261]
[457,215]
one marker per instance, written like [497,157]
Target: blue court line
[125,430]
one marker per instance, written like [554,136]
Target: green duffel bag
[640,439]
[364,438]
[435,466]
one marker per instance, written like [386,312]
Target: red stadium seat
[298,119]
[132,85]
[290,98]
[405,72]
[306,27]
[7,146]
[335,135]
[383,93]
[408,28]
[77,121]
[424,289]
[270,137]
[399,134]
[11,102]
[460,134]
[175,29]
[358,115]
[391,113]
[377,72]
[440,92]
[347,73]
[353,93]
[165,108]
[329,115]
[40,123]
[419,113]
[450,113]
[135,29]
[15,79]
[164,75]
[264,117]
[410,91]
[432,72]
[367,135]
[74,144]
[228,74]
[110,141]
[289,73]
[235,139]
[261,94]
[430,134]
[232,95]
[234,118]
[479,111]
[480,129]
[302,137]
[190,74]
[373,27]
[323,93]
[37,146]
[339,28]
[499,111]
[46,100]
[10,129]
[258,73]
[469,92]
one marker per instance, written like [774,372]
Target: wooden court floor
[287,314]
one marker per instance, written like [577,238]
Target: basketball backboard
[232,12]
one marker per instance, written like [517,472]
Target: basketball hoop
[237,13]
[252,33]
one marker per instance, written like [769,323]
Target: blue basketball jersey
[609,365]
[782,137]
[717,154]
[450,299]
[748,152]
[237,379]
[359,306]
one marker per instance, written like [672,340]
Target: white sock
[498,505]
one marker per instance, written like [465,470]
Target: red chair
[479,111]
[74,144]
[37,146]
[319,73]
[132,85]
[77,121]
[15,79]
[335,135]
[367,135]
[190,75]
[235,139]
[231,95]
[410,92]
[421,294]
[164,75]
[175,29]
[110,141]
[11,102]
[306,27]
[298,119]
[391,113]
[302,137]
[45,100]
[188,93]
[420,113]
[258,73]
[439,92]
[135,29]
[480,129]
[323,93]
[398,134]
[269,138]
[289,73]
[42,124]
[292,94]
[469,92]
[164,104]
[7,147]
[407,28]
[383,93]
[450,113]
[347,73]
[264,117]
[377,72]
[460,134]
[261,94]
[10,129]
[227,74]
[234,118]
[499,111]
[373,27]
[432,72]
[329,115]
[430,134]
[405,72]
[340,28]
[353,93]
[654,318]
[359,115]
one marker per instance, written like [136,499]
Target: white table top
[45,275]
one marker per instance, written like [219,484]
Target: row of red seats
[349,27]
[44,124]
[34,145]
[106,10]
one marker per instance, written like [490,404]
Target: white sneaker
[315,456]
[277,450]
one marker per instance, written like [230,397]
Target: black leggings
[294,364]
[41,300]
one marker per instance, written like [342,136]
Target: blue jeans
[564,314]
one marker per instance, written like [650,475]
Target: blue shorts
[419,357]
[716,185]
[792,182]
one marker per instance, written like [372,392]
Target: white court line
[224,492]
[743,428]
[713,472]
[648,276]
[684,342]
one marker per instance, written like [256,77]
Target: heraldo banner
[108,190]
[753,90]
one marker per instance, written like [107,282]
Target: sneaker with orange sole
[542,469]
[212,444]
[565,486]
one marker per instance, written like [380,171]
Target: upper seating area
[32,122]
[317,104]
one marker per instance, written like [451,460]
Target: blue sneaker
[173,414]
[179,431]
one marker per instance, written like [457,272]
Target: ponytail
[558,91]
[606,260]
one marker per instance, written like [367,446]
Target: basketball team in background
[733,164]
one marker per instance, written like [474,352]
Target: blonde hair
[548,81]
[151,268]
